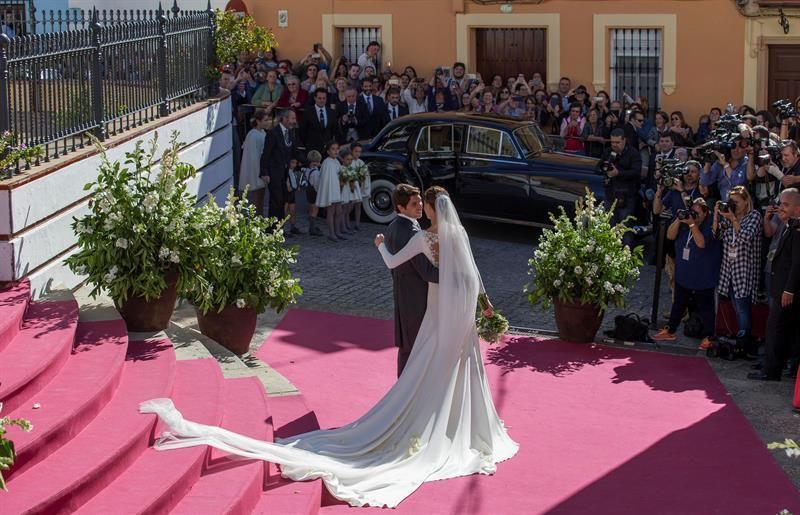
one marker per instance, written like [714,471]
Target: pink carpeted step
[119,434]
[158,480]
[37,352]
[76,395]
[290,416]
[13,302]
[232,485]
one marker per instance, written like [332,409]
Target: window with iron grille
[355,41]
[636,64]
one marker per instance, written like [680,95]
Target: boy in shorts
[311,179]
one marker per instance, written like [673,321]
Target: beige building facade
[684,55]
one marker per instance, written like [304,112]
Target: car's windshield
[531,139]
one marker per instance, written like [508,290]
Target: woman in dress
[329,194]
[438,421]
[250,167]
[351,193]
[365,186]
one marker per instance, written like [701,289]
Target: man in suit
[319,122]
[622,166]
[394,109]
[410,280]
[375,119]
[784,284]
[278,150]
[350,113]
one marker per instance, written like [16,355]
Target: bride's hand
[378,240]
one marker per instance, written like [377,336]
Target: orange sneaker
[706,344]
[664,336]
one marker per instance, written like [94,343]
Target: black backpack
[631,328]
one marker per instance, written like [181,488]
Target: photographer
[621,164]
[738,226]
[790,158]
[680,194]
[784,283]
[697,264]
[728,171]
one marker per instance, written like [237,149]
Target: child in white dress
[365,186]
[351,193]
[311,177]
[329,194]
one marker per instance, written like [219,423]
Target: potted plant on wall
[241,269]
[138,241]
[581,267]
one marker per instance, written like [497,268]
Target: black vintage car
[495,168]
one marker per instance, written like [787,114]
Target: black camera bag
[631,328]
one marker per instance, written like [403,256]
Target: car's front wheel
[378,206]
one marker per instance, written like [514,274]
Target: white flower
[122,243]
[108,224]
[163,252]
[561,273]
[578,270]
[104,205]
[557,283]
[608,259]
[114,270]
[619,288]
[589,280]
[589,248]
[414,445]
[81,270]
[236,260]
[793,452]
[150,201]
[608,287]
[240,303]
[174,258]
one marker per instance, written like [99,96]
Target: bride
[437,422]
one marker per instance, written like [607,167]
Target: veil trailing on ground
[437,422]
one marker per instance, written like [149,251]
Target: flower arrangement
[140,224]
[11,153]
[7,453]
[349,174]
[582,259]
[241,260]
[362,170]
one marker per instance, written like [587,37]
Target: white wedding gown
[437,422]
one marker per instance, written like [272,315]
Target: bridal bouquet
[362,171]
[349,174]
[490,329]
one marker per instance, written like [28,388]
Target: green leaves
[583,259]
[11,153]
[7,453]
[237,34]
[138,207]
[242,260]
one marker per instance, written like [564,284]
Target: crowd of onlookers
[325,105]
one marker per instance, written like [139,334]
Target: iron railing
[636,65]
[101,72]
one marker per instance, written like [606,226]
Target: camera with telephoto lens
[727,206]
[786,109]
[608,165]
[672,172]
[686,214]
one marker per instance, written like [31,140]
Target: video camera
[607,165]
[786,109]
[672,172]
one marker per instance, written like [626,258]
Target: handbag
[630,327]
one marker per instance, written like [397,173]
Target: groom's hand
[378,240]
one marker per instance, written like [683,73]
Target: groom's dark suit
[410,281]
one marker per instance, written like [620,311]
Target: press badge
[732,254]
[686,253]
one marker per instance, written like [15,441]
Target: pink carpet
[602,430]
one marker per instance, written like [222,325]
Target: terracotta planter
[577,322]
[233,327]
[143,315]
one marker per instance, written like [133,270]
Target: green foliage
[241,261]
[492,328]
[583,259]
[11,153]
[7,453]
[236,34]
[140,225]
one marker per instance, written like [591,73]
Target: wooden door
[509,52]
[784,73]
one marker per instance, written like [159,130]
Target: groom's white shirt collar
[413,221]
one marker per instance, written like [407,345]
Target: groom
[409,280]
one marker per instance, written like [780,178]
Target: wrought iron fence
[636,65]
[101,72]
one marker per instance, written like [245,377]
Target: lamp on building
[783,21]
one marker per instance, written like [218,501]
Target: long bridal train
[437,422]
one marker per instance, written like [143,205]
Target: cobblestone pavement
[350,277]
